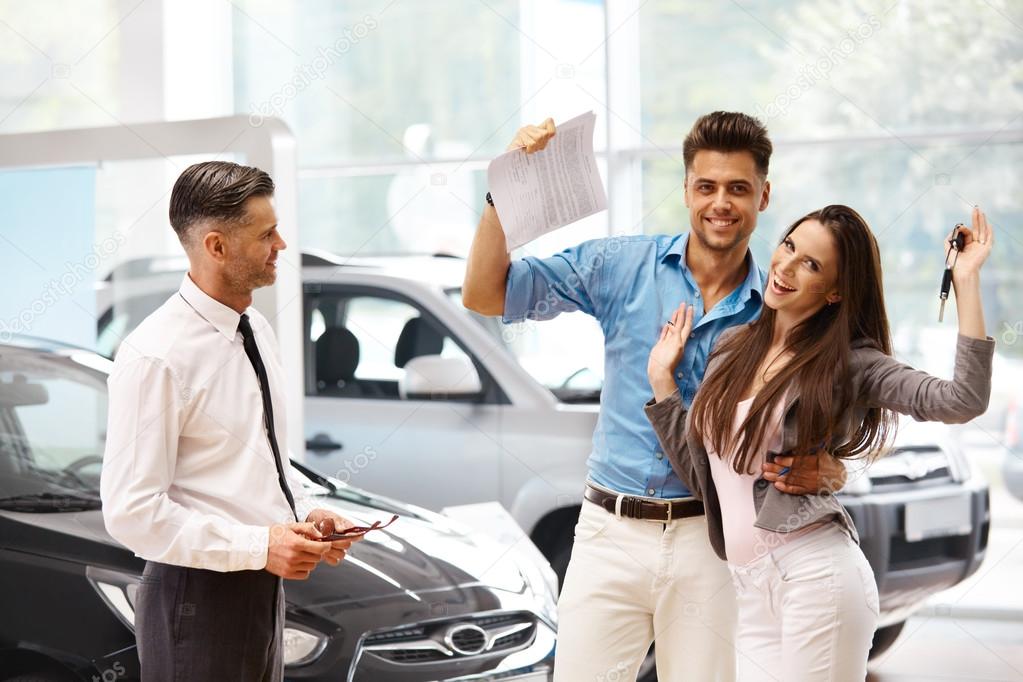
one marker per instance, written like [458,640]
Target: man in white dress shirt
[194,477]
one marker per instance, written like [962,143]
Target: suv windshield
[53,415]
[565,354]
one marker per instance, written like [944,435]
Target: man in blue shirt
[641,567]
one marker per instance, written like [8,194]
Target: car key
[955,244]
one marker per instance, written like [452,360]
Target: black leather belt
[642,508]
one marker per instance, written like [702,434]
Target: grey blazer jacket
[878,380]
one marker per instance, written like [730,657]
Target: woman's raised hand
[980,237]
[667,352]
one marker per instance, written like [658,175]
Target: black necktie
[249,341]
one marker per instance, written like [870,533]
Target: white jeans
[630,582]
[807,611]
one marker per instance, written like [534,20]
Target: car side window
[362,343]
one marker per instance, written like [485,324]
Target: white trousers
[807,611]
[631,582]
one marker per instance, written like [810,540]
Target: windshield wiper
[50,502]
[60,480]
[320,479]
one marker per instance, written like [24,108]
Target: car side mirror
[432,377]
[18,392]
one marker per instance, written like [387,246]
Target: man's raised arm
[486,273]
[487,269]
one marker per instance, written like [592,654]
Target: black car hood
[420,562]
[420,554]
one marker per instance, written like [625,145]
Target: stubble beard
[245,278]
[719,246]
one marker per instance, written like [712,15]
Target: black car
[425,599]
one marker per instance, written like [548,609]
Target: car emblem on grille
[466,639]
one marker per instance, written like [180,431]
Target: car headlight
[542,582]
[302,646]
[119,592]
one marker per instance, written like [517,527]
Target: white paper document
[540,192]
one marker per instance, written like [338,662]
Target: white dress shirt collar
[223,317]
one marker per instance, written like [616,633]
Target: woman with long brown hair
[815,369]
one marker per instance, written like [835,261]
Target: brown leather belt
[643,508]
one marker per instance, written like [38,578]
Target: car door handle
[321,443]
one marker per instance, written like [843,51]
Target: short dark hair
[728,131]
[215,190]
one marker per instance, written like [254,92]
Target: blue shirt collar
[754,282]
[677,249]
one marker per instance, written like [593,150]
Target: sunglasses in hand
[357,531]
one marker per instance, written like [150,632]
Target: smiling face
[724,194]
[251,259]
[804,272]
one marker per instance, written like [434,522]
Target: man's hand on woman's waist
[813,473]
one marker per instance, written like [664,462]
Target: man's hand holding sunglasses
[328,523]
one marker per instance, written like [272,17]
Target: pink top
[743,541]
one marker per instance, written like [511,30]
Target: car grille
[453,639]
[911,465]
[923,553]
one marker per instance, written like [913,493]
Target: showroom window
[398,107]
[910,148]
[389,169]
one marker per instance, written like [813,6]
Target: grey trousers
[195,625]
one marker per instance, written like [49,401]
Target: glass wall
[909,112]
[398,106]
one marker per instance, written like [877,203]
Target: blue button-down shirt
[631,285]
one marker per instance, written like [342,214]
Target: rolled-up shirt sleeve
[575,279]
[146,407]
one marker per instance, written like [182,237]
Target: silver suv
[409,394]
